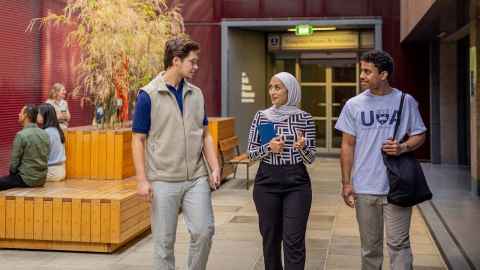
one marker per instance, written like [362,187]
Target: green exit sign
[303,30]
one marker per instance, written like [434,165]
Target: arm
[17,154]
[255,149]
[144,188]
[210,154]
[413,143]
[308,148]
[140,128]
[416,130]
[346,163]
[393,148]
[67,114]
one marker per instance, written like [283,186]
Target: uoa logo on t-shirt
[382,116]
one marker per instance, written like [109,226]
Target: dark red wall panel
[314,8]
[19,65]
[344,8]
[241,9]
[196,10]
[208,77]
[276,9]
[414,79]
[384,8]
[59,62]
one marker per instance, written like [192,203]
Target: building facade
[243,43]
[451,31]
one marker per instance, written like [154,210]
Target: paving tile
[343,262]
[417,267]
[428,260]
[244,219]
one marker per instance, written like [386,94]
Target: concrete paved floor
[332,236]
[456,204]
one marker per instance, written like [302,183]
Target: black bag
[408,185]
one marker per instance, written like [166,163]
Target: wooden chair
[230,154]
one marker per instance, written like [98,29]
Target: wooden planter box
[107,154]
[74,215]
[99,154]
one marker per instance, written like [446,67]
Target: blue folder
[267,132]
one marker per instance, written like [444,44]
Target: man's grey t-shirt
[371,119]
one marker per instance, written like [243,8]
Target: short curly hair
[381,59]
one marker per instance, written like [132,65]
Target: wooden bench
[96,209]
[230,154]
[73,215]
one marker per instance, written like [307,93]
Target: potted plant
[121,44]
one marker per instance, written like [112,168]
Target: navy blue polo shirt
[143,108]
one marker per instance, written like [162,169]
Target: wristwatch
[404,147]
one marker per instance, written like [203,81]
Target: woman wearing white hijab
[283,138]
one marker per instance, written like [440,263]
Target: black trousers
[283,197]
[11,181]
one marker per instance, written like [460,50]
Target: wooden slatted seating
[230,154]
[73,215]
[96,209]
[99,154]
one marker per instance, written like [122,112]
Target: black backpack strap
[400,109]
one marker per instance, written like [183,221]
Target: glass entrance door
[326,87]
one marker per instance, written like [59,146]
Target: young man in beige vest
[170,142]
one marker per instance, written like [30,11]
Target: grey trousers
[372,212]
[194,198]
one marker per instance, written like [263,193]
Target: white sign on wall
[273,42]
[247,94]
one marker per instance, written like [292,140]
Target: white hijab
[283,112]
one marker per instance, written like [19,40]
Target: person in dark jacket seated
[29,159]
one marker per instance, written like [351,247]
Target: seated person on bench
[29,159]
[47,120]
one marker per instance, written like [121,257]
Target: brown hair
[179,47]
[56,88]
